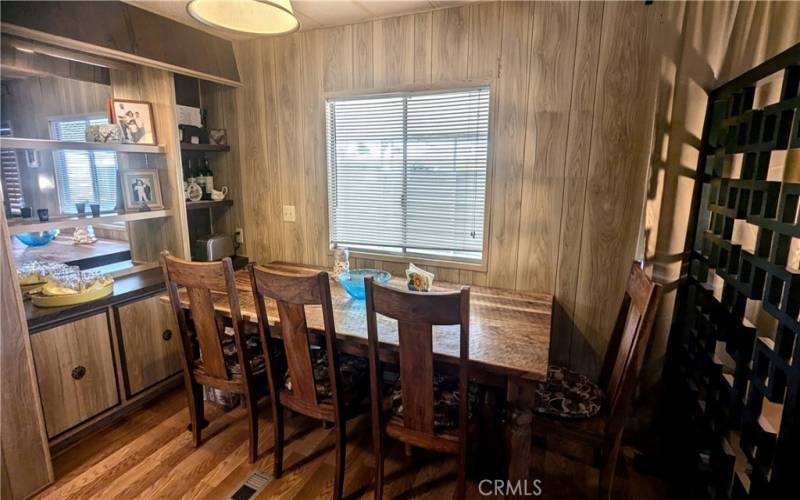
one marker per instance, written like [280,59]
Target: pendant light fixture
[254,17]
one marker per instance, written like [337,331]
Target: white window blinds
[83,176]
[407,172]
[9,173]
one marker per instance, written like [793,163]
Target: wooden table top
[509,330]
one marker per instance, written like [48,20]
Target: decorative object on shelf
[109,133]
[189,115]
[219,195]
[141,186]
[73,286]
[193,191]
[32,275]
[26,212]
[192,135]
[218,136]
[255,17]
[44,214]
[419,280]
[37,238]
[83,236]
[135,119]
[95,207]
[353,281]
[80,208]
[341,260]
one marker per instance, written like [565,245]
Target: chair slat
[298,353]
[207,331]
[416,375]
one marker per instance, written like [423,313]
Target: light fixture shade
[256,17]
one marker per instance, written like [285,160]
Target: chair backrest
[201,279]
[416,314]
[628,343]
[292,292]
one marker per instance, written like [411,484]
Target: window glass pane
[407,173]
[84,176]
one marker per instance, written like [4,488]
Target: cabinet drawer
[150,343]
[75,370]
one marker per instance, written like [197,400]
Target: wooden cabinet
[149,343]
[75,369]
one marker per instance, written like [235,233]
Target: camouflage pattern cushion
[568,394]
[253,347]
[445,401]
[353,370]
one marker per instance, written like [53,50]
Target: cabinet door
[150,342]
[75,370]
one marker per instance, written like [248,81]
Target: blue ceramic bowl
[38,238]
[353,281]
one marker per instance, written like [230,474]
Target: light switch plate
[288,213]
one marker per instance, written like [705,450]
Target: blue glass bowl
[38,238]
[353,281]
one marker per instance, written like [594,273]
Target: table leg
[520,395]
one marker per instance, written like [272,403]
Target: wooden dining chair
[423,408]
[320,383]
[210,356]
[571,407]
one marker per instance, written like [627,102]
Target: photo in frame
[218,136]
[141,189]
[135,119]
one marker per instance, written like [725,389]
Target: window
[9,173]
[83,176]
[407,172]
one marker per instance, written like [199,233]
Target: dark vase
[95,209]
[81,208]
[44,214]
[26,212]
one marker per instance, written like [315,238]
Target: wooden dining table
[509,341]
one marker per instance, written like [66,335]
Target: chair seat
[353,370]
[445,401]
[568,394]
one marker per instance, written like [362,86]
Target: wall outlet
[238,236]
[288,213]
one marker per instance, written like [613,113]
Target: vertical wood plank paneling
[288,60]
[450,44]
[337,44]
[485,32]
[551,64]
[584,79]
[509,152]
[362,55]
[422,47]
[393,51]
[620,143]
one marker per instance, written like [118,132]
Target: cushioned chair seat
[568,394]
[353,370]
[253,347]
[445,401]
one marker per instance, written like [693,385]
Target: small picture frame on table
[141,190]
[135,119]
[218,137]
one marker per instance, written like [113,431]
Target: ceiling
[311,13]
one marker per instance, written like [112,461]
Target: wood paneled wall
[572,101]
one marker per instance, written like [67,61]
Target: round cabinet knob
[166,334]
[78,372]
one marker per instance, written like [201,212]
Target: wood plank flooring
[150,455]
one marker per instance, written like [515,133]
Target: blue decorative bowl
[38,238]
[353,280]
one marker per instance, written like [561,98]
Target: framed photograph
[135,118]
[141,189]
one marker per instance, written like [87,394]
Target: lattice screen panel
[736,348]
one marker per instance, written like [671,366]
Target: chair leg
[277,414]
[462,473]
[252,423]
[194,393]
[608,465]
[538,456]
[341,449]
[377,445]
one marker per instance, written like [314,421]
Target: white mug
[219,195]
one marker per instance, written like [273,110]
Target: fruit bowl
[353,280]
[37,238]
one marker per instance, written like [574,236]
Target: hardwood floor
[150,455]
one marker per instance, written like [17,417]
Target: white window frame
[445,261]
